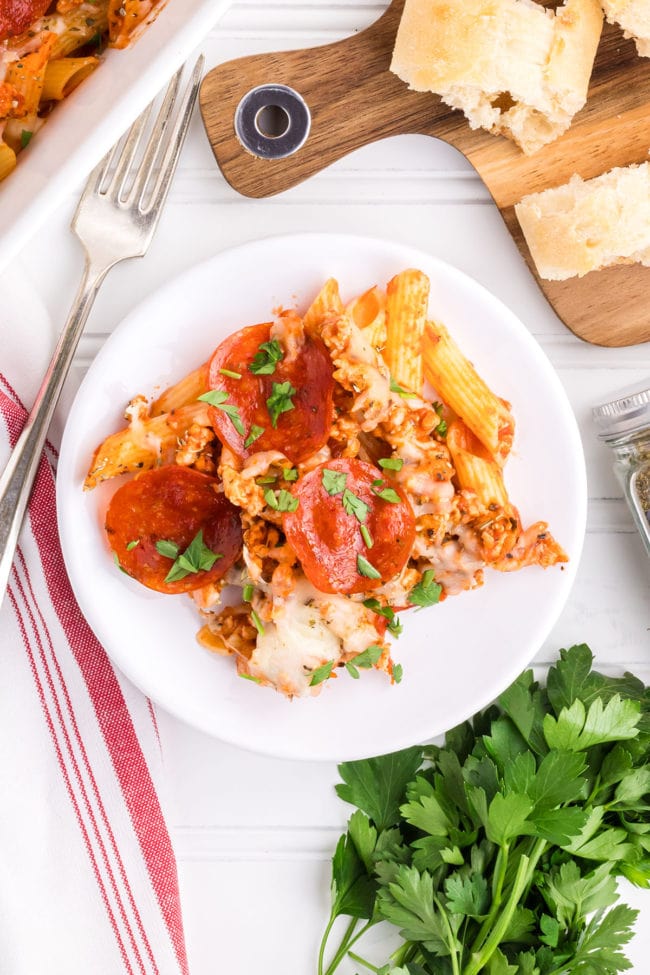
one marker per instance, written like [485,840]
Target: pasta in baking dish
[306,464]
[47,49]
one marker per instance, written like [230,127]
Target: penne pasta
[407,304]
[186,391]
[368,312]
[476,470]
[144,444]
[27,75]
[7,160]
[326,304]
[64,74]
[458,384]
[38,67]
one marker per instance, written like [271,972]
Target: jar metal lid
[625,414]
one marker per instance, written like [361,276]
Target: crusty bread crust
[511,66]
[634,17]
[583,226]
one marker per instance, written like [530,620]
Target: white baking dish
[83,127]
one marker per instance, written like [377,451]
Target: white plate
[457,656]
[84,127]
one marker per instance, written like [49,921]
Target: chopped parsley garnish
[267,479]
[265,361]
[398,673]
[280,500]
[321,673]
[217,397]
[427,592]
[197,557]
[354,505]
[368,658]
[254,434]
[394,625]
[366,569]
[119,564]
[333,481]
[131,545]
[367,537]
[247,594]
[404,393]
[441,429]
[25,138]
[290,473]
[230,373]
[256,680]
[280,401]
[257,623]
[167,548]
[391,463]
[386,493]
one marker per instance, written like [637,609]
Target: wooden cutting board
[354,99]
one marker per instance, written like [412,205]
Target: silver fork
[115,220]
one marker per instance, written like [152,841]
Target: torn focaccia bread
[634,17]
[587,225]
[512,66]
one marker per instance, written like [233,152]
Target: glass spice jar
[624,424]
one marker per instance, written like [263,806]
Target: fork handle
[18,477]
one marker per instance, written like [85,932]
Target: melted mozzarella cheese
[292,647]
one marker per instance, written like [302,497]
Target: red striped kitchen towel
[88,880]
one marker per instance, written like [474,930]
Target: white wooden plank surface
[254,835]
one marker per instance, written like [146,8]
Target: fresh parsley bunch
[498,852]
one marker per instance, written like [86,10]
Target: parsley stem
[479,959]
[451,938]
[345,945]
[364,962]
[500,867]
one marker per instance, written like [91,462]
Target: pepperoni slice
[329,541]
[301,430]
[17,15]
[171,504]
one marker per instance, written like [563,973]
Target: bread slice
[587,225]
[634,17]
[512,66]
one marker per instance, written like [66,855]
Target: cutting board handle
[352,98]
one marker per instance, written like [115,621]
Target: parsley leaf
[391,463]
[386,494]
[280,401]
[290,473]
[197,557]
[254,434]
[218,397]
[369,657]
[280,500]
[426,592]
[333,481]
[576,728]
[167,548]
[267,358]
[367,537]
[398,673]
[321,673]
[378,785]
[394,625]
[354,505]
[257,622]
[364,568]
[404,393]
[131,545]
[25,138]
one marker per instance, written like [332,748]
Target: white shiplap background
[254,835]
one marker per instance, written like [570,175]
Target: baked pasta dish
[47,49]
[317,478]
